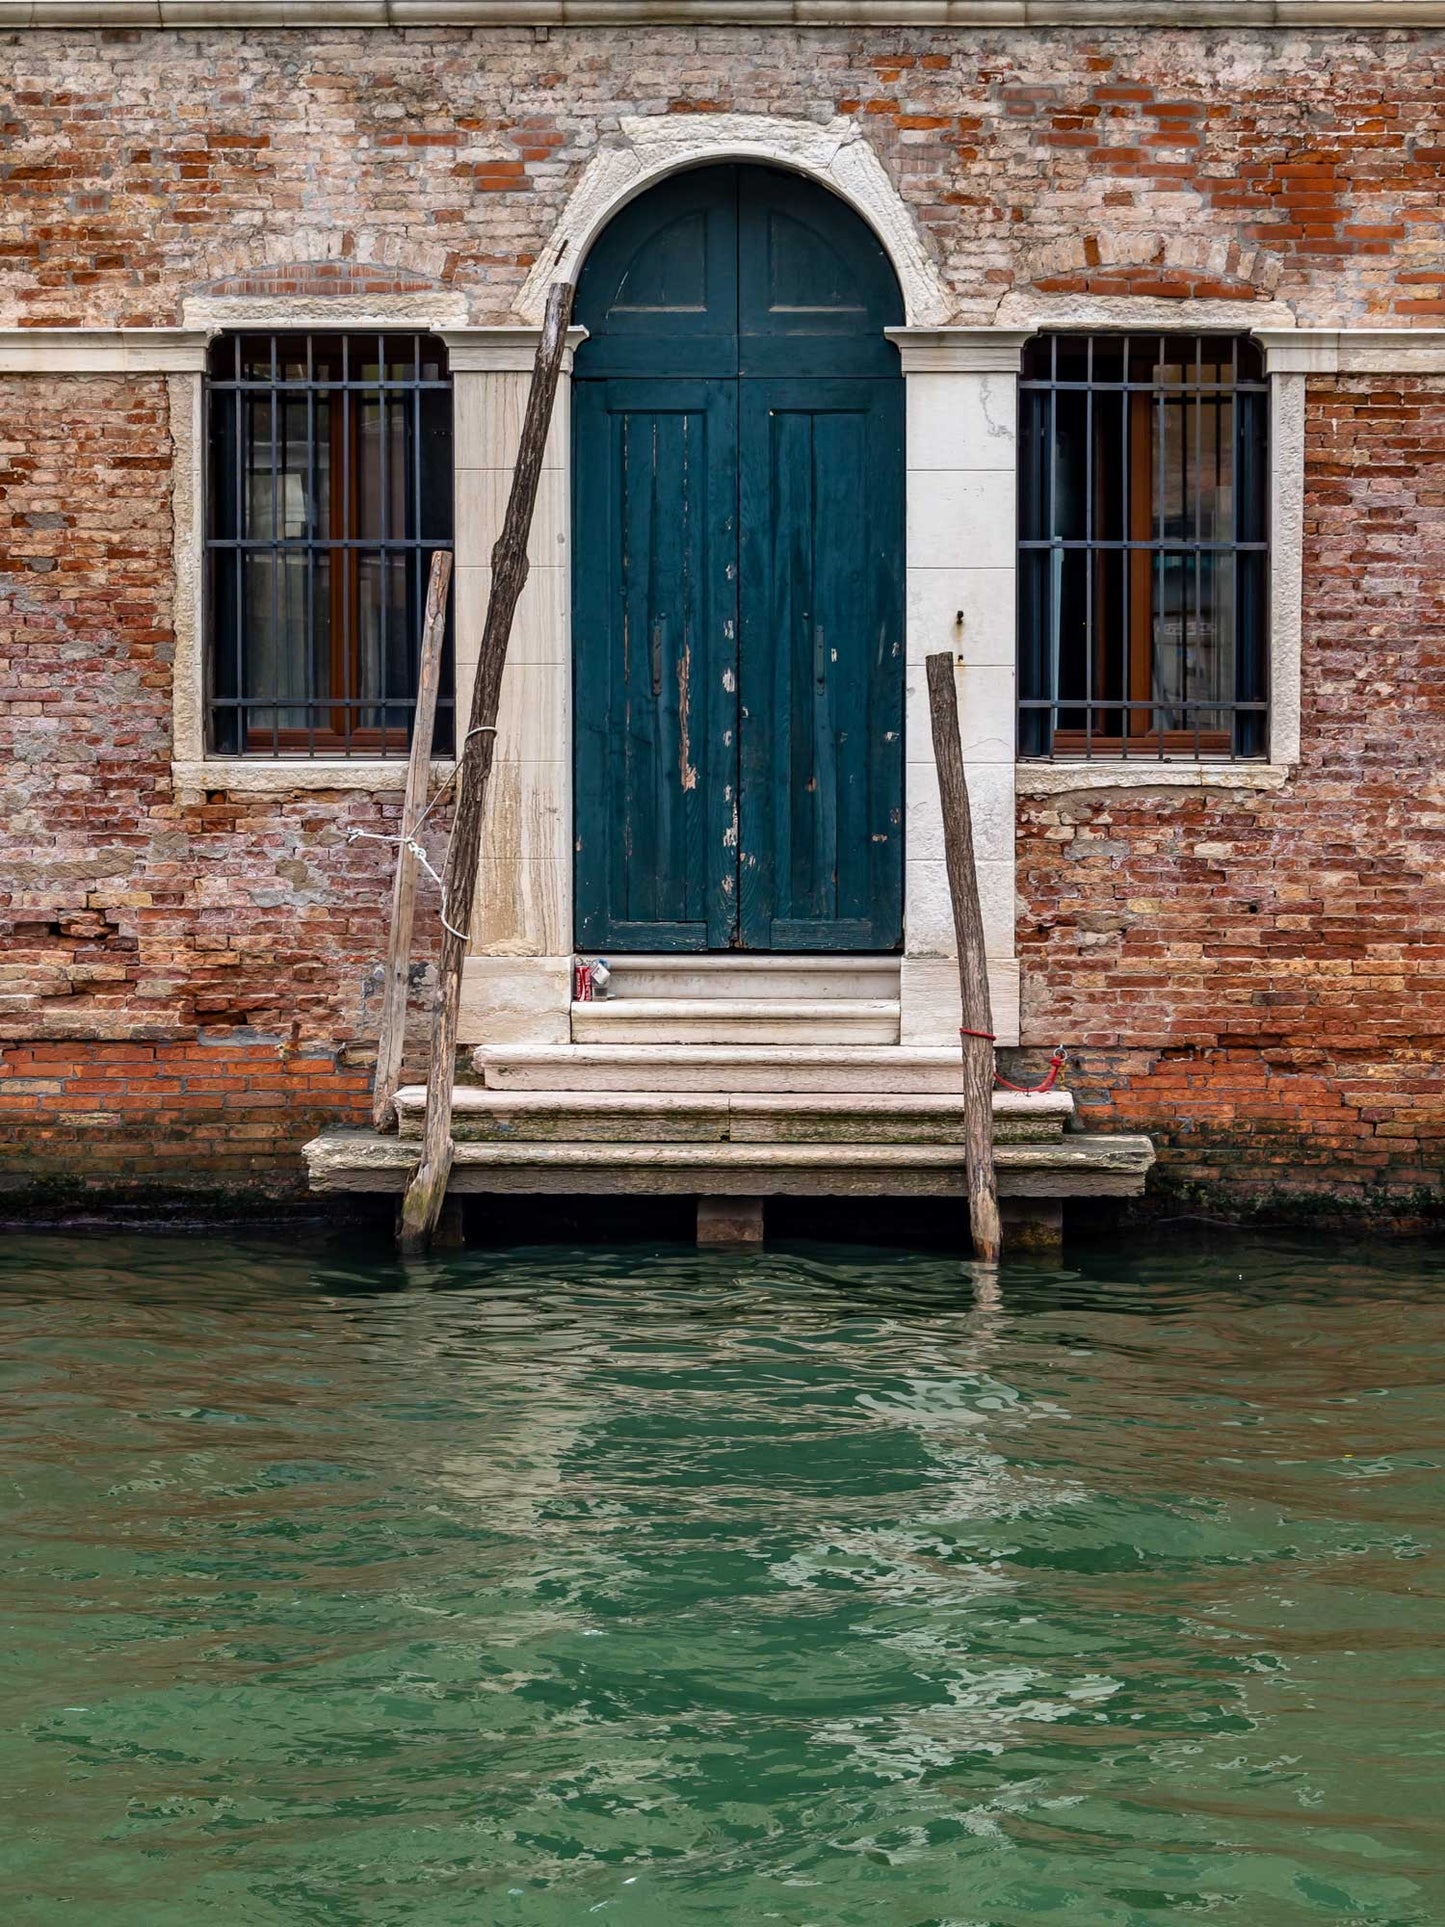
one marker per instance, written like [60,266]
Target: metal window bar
[1126,523]
[308,580]
[275,557]
[383,567]
[1160,612]
[241,418]
[1089,556]
[1056,552]
[414,598]
[1203,639]
[280,703]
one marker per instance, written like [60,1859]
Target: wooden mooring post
[422,1206]
[977,1034]
[391,1040]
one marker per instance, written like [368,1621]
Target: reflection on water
[801,1588]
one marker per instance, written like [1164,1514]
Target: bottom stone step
[653,1117]
[1084,1166]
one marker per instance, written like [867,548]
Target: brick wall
[178,982]
[139,167]
[220,1114]
[1259,978]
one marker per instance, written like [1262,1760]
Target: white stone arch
[652,147]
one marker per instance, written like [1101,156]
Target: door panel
[821,665]
[659,295]
[815,290]
[654,643]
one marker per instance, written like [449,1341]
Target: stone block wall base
[1032,1227]
[515,1000]
[729,1223]
[929,1000]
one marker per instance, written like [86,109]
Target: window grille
[330,487]
[1143,547]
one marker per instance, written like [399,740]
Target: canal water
[549,1585]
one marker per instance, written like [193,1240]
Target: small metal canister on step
[590,980]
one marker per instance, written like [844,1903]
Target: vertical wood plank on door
[822,664]
[654,635]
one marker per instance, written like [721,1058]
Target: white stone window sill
[1056,779]
[281,776]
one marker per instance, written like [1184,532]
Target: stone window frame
[1148,314]
[1291,355]
[196,768]
[1098,576]
[322,560]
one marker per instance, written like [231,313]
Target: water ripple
[528,1586]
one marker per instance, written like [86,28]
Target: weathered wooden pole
[391,1040]
[977,1034]
[425,1195]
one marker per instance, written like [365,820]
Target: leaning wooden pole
[422,1205]
[977,1033]
[391,1039]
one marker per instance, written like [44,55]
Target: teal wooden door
[738,575]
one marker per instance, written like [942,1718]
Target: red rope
[1047,1083]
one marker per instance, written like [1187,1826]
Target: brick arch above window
[1159,283]
[1146,262]
[301,299]
[1031,307]
[281,280]
[335,280]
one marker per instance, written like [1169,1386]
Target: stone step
[736,1020]
[741,976]
[653,1117]
[1083,1166]
[777,1070]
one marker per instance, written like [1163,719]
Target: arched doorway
[738,622]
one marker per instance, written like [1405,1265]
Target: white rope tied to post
[356,834]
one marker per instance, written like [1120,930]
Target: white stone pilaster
[962,410]
[517,986]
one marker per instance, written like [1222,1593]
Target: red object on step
[1046,1083]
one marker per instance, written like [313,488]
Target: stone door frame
[961,408]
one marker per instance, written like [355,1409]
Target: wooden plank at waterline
[392,1037]
[422,1206]
[977,1038]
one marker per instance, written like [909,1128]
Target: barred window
[1143,547]
[330,487]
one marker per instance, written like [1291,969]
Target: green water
[540,1586]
